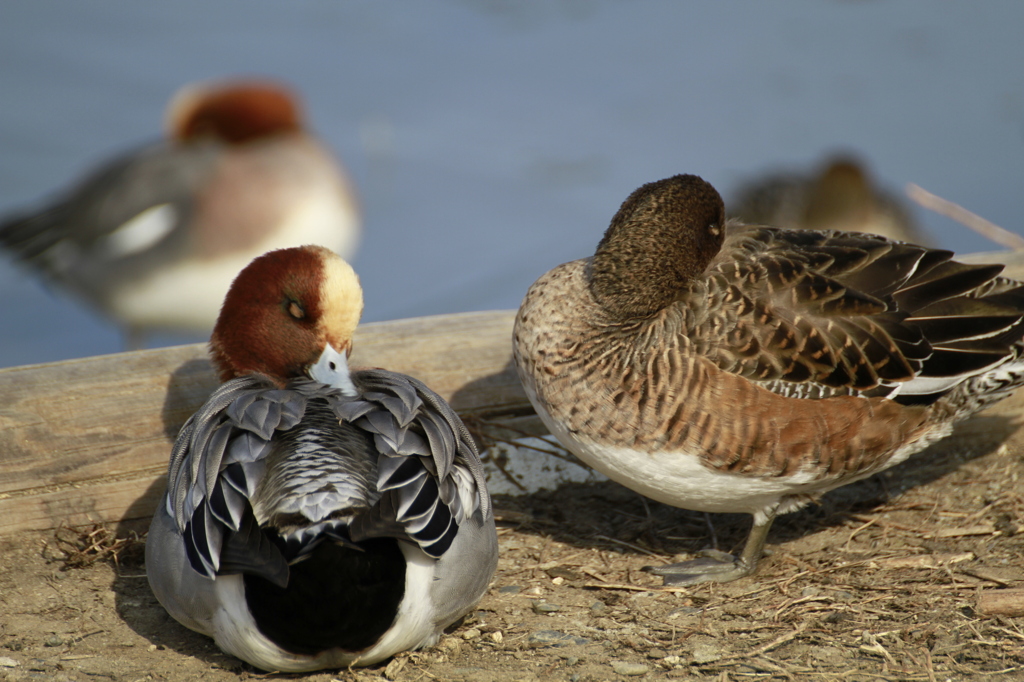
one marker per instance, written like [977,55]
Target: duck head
[664,235]
[841,197]
[235,112]
[290,313]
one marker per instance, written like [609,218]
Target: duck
[717,366]
[317,516]
[839,195]
[152,238]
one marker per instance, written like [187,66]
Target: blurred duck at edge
[153,238]
[840,196]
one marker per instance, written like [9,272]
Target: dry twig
[80,547]
[987,229]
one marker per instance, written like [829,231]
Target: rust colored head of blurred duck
[235,112]
[290,313]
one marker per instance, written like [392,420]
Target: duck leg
[712,565]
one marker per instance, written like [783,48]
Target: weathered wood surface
[88,440]
[1001,602]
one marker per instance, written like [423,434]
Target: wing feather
[849,311]
[260,475]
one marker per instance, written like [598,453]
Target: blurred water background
[493,139]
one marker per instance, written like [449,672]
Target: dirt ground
[888,579]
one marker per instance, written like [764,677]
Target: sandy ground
[887,579]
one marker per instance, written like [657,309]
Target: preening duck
[317,517]
[724,367]
[840,195]
[153,238]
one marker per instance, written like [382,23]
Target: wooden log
[88,440]
[1001,602]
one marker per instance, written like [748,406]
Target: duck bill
[331,368]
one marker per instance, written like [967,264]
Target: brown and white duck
[153,237]
[724,367]
[840,195]
[317,517]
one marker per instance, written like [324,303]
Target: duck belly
[680,479]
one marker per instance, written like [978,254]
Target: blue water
[493,139]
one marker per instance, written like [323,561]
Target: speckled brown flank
[764,352]
[656,395]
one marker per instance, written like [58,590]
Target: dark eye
[333,367]
[295,309]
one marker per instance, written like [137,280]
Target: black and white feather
[287,494]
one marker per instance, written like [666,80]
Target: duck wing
[429,471]
[119,210]
[260,475]
[817,314]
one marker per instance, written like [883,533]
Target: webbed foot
[710,565]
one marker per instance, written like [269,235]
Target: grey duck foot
[710,566]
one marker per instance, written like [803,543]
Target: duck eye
[294,309]
[333,367]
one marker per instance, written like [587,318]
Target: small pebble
[541,638]
[564,573]
[671,661]
[629,669]
[8,662]
[394,668]
[543,607]
[571,661]
[705,652]
[53,640]
[510,589]
[657,653]
[497,637]
[449,645]
[598,608]
[471,633]
[557,581]
[460,673]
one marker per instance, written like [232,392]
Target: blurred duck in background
[841,196]
[153,238]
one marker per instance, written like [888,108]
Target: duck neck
[662,237]
[641,267]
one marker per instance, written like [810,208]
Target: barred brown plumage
[726,367]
